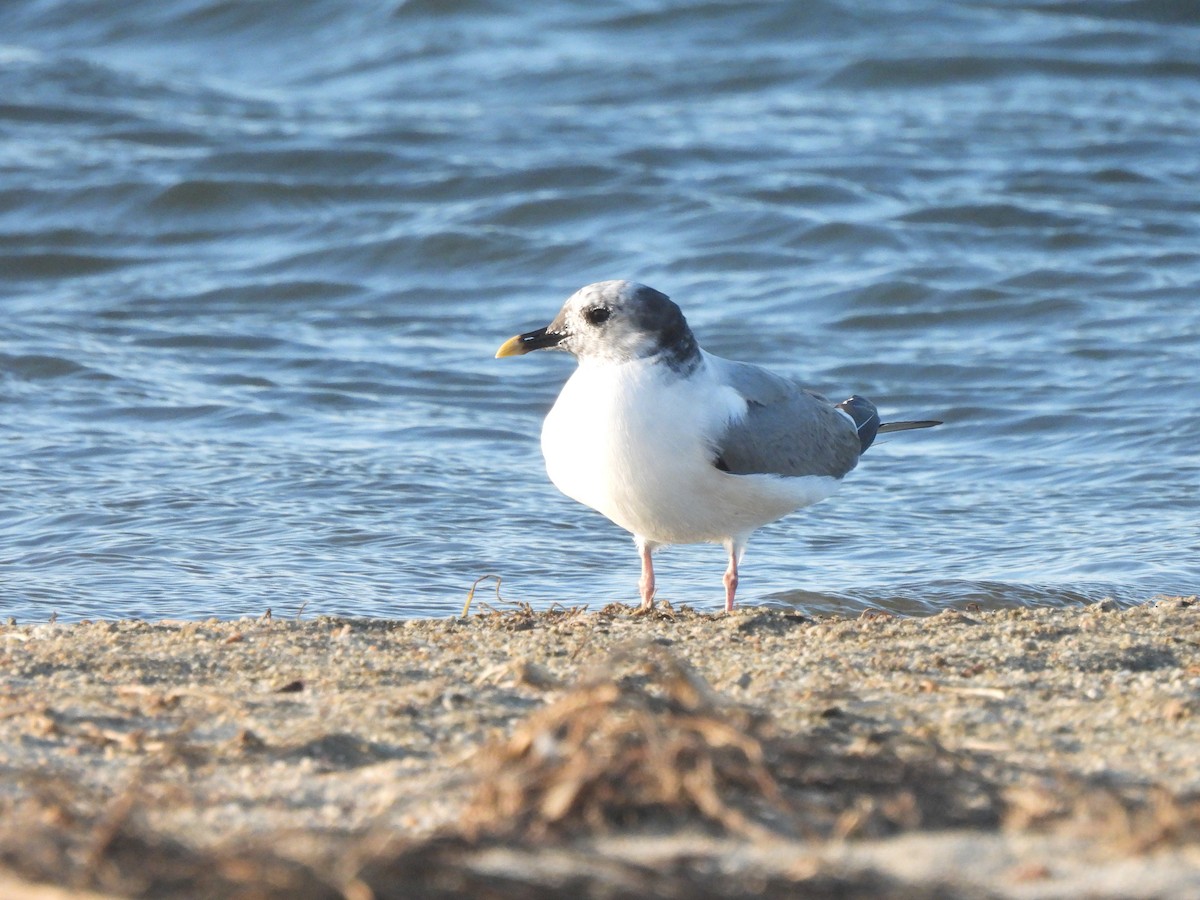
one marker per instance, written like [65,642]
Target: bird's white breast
[636,442]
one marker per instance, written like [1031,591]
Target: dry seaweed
[623,749]
[645,742]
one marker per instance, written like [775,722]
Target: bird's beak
[541,339]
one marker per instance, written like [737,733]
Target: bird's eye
[597,315]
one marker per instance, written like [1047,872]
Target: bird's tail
[866,421]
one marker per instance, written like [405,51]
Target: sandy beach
[1028,753]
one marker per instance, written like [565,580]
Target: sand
[1022,753]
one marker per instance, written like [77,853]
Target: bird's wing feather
[787,429]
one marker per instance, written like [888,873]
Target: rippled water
[255,259]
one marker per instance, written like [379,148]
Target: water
[256,258]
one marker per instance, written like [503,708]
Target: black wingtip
[908,426]
[866,419]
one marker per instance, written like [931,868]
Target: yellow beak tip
[511,347]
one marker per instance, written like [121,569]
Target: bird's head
[613,322]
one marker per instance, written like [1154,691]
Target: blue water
[255,258]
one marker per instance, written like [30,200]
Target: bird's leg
[731,576]
[646,583]
[731,581]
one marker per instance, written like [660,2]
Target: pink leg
[731,580]
[646,584]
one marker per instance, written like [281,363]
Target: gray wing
[787,429]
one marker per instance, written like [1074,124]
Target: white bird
[678,446]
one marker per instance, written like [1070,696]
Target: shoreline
[1023,753]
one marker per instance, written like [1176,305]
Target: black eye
[597,315]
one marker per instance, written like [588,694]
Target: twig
[471,593]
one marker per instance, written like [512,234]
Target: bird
[676,445]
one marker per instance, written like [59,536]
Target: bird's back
[787,430]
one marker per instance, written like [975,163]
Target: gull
[676,445]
